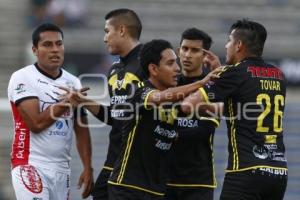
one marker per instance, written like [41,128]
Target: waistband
[63,166]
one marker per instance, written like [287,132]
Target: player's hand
[75,97]
[87,181]
[212,75]
[211,60]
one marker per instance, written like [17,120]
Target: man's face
[231,47]
[168,69]
[50,50]
[112,38]
[191,55]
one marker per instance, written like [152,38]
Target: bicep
[29,110]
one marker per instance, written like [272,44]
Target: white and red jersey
[52,146]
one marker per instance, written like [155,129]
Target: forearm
[85,150]
[83,143]
[38,121]
[175,94]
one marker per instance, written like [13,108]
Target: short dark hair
[128,18]
[151,53]
[196,34]
[43,28]
[252,34]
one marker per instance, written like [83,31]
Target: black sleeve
[222,88]
[104,115]
[82,112]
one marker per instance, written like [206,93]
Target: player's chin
[55,64]
[173,83]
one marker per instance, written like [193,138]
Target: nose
[55,47]
[177,68]
[187,54]
[105,39]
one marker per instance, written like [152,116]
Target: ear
[34,50]
[122,30]
[239,46]
[153,69]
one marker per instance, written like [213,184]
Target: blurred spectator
[70,13]
[38,12]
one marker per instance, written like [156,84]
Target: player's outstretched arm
[78,98]
[178,93]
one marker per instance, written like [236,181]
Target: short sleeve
[223,87]
[20,88]
[141,95]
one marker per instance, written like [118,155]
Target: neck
[51,72]
[157,84]
[128,46]
[245,55]
[195,73]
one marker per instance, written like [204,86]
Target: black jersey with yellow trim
[192,162]
[147,138]
[121,76]
[253,93]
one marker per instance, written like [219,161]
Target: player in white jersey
[44,124]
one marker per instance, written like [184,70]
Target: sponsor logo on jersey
[20,88]
[118,99]
[260,152]
[41,81]
[59,124]
[115,83]
[117,113]
[163,145]
[265,72]
[165,132]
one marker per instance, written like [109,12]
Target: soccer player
[141,170]
[43,125]
[122,33]
[192,175]
[253,92]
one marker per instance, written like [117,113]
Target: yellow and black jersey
[147,137]
[253,93]
[192,153]
[122,75]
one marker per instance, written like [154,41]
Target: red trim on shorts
[20,147]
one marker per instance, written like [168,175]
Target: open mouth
[54,58]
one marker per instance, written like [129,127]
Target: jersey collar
[46,74]
[132,54]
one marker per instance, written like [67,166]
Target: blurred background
[83,21]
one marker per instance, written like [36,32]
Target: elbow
[36,128]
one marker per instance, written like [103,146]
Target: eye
[47,44]
[184,48]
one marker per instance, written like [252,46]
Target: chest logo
[115,83]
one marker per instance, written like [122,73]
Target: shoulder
[68,75]
[24,72]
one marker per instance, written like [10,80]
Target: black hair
[151,53]
[43,28]
[252,34]
[196,34]
[128,18]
